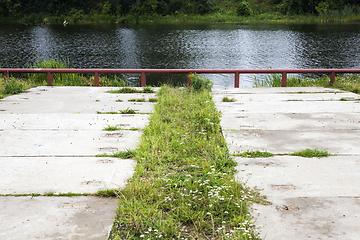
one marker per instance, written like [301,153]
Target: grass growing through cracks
[184,186]
[312,153]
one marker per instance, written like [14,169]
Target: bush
[13,86]
[199,82]
[243,9]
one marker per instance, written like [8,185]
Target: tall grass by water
[184,185]
[69,79]
[346,82]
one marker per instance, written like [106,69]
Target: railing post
[6,75]
[143,79]
[189,80]
[332,78]
[237,80]
[96,79]
[49,78]
[284,79]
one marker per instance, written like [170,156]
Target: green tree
[243,9]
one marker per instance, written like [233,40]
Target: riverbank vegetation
[184,185]
[178,11]
[346,82]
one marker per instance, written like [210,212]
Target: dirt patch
[108,149]
[114,135]
[283,187]
[92,182]
[287,208]
[266,164]
[105,161]
[74,206]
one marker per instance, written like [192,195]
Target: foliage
[200,83]
[68,79]
[13,86]
[146,89]
[346,82]
[81,11]
[226,99]
[243,9]
[184,185]
[127,111]
[111,128]
[255,154]
[312,153]
[137,100]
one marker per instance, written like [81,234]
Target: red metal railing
[143,72]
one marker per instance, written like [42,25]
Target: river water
[219,46]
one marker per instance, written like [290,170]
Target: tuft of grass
[118,100]
[127,111]
[128,153]
[254,154]
[124,90]
[49,194]
[107,112]
[184,184]
[153,99]
[146,89]
[108,193]
[111,128]
[226,99]
[308,153]
[137,100]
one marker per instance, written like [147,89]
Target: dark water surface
[222,46]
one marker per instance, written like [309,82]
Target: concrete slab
[56,217]
[311,198]
[63,174]
[48,139]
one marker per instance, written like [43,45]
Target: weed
[308,153]
[128,153]
[148,89]
[49,194]
[254,154]
[200,83]
[226,99]
[107,112]
[127,111]
[108,193]
[13,86]
[153,99]
[97,100]
[111,128]
[137,100]
[118,100]
[124,90]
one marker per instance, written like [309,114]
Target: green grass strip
[309,153]
[184,185]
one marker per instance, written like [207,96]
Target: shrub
[13,86]
[199,82]
[243,9]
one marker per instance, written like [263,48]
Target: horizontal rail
[143,72]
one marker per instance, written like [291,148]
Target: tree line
[20,8]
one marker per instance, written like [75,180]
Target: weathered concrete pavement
[49,136]
[312,198]
[48,139]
